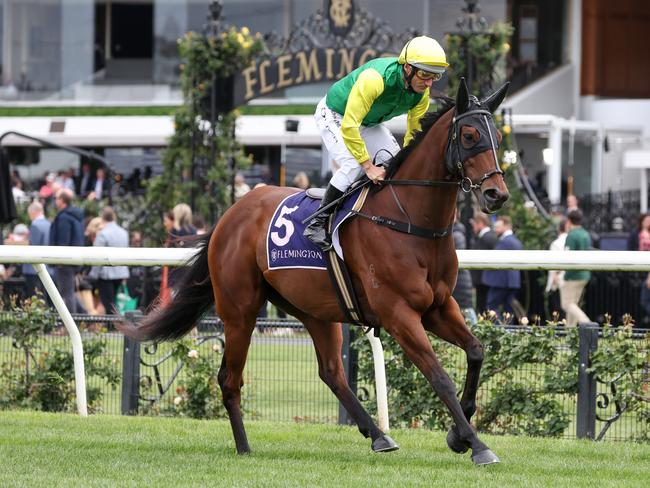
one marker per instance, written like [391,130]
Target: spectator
[17,191]
[241,188]
[182,226]
[67,230]
[486,239]
[556,277]
[64,179]
[137,282]
[643,244]
[301,180]
[463,291]
[101,187]
[49,188]
[503,284]
[109,278]
[18,237]
[571,204]
[85,181]
[39,235]
[199,223]
[577,239]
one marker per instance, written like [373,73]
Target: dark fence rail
[282,381]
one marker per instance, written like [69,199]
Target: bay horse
[403,281]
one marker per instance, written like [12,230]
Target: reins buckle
[466,184]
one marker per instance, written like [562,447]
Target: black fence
[281,377]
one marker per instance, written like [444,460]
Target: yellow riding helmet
[424,53]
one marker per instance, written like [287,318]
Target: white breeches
[379,141]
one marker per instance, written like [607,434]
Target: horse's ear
[493,101]
[462,98]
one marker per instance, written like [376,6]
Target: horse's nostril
[495,196]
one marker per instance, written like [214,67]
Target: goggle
[427,75]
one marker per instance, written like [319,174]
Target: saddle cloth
[286,247]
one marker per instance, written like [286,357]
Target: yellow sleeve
[366,89]
[414,116]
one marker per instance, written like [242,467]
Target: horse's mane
[426,122]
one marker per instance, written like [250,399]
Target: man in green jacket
[350,117]
[575,281]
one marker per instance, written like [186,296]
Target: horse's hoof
[455,443]
[485,457]
[384,443]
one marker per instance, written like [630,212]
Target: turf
[38,449]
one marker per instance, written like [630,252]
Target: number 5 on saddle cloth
[286,247]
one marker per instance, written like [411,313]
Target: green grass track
[39,449]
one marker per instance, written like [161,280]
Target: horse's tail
[192,296]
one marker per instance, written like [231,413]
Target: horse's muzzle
[494,199]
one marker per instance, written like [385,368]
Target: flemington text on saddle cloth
[286,247]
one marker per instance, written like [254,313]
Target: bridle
[455,157]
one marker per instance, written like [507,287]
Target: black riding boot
[316,230]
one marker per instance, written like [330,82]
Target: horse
[403,280]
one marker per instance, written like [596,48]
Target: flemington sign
[316,65]
[324,47]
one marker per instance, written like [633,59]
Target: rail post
[131,369]
[586,415]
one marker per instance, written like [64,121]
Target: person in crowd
[301,180]
[463,291]
[503,284]
[199,224]
[109,278]
[182,229]
[19,236]
[571,203]
[182,226]
[17,191]
[241,187]
[643,244]
[85,181]
[556,277]
[101,186]
[39,235]
[137,282]
[67,230]
[486,239]
[65,180]
[87,285]
[165,292]
[575,281]
[49,189]
[350,117]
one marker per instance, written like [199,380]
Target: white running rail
[470,259]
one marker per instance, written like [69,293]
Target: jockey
[350,117]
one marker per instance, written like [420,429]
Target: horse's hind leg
[230,377]
[449,324]
[328,339]
[239,293]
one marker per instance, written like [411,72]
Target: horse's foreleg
[449,324]
[328,340]
[407,329]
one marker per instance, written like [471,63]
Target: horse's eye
[469,138]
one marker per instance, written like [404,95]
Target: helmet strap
[409,78]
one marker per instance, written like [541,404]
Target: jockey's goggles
[426,75]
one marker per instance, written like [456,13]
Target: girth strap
[407,228]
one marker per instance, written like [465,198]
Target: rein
[464,183]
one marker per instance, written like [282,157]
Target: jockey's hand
[374,173]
